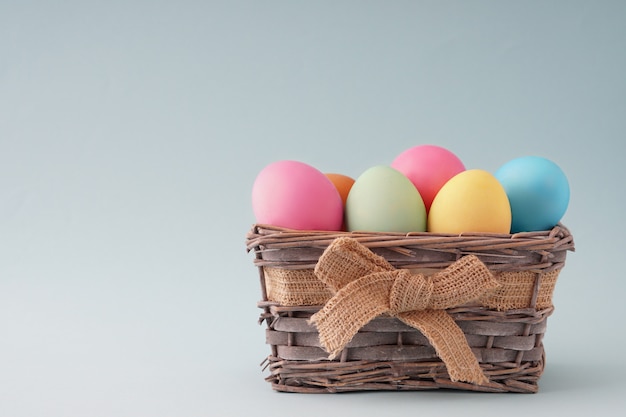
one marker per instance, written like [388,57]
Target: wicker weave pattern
[389,355]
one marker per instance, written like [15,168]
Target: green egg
[384,200]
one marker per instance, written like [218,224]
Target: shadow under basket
[503,327]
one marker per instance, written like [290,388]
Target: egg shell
[538,191]
[295,195]
[428,167]
[383,200]
[342,183]
[471,201]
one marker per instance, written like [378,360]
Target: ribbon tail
[449,342]
[351,308]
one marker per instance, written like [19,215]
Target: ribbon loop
[346,260]
[366,286]
[335,328]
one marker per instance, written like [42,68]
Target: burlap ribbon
[365,286]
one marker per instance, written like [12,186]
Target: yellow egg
[471,201]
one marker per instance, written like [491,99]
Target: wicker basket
[504,334]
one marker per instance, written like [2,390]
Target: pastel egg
[342,183]
[296,195]
[471,201]
[383,200]
[428,167]
[538,191]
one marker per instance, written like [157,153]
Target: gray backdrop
[131,133]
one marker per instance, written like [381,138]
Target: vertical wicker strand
[533,300]
[290,334]
[266,309]
[489,343]
[533,305]
[259,256]
[263,287]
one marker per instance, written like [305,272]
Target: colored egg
[471,201]
[342,183]
[538,191]
[383,200]
[428,167]
[296,195]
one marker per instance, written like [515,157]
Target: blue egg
[538,192]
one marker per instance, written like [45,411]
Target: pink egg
[428,167]
[295,195]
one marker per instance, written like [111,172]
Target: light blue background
[131,133]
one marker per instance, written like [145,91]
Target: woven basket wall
[504,332]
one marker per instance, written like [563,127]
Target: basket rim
[557,238]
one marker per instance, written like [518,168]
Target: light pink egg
[428,167]
[295,195]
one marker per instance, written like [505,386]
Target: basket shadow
[564,377]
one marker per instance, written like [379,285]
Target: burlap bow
[365,286]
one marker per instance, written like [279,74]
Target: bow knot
[366,286]
[410,292]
